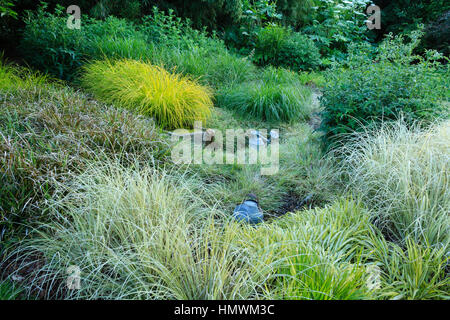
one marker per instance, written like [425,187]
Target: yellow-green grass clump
[13,77]
[174,100]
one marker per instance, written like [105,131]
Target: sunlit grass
[173,100]
[13,77]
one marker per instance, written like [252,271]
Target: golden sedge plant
[13,77]
[173,100]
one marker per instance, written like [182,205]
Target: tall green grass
[173,100]
[217,70]
[276,96]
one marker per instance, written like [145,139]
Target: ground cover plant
[357,207]
[280,46]
[49,131]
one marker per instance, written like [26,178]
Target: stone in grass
[249,211]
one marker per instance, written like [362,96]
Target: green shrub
[169,30]
[368,92]
[49,45]
[269,43]
[337,24]
[299,53]
[276,96]
[279,46]
[173,100]
[255,15]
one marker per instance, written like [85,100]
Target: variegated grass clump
[316,254]
[403,175]
[175,101]
[141,234]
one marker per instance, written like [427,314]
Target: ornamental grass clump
[403,175]
[276,96]
[139,233]
[173,100]
[13,77]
